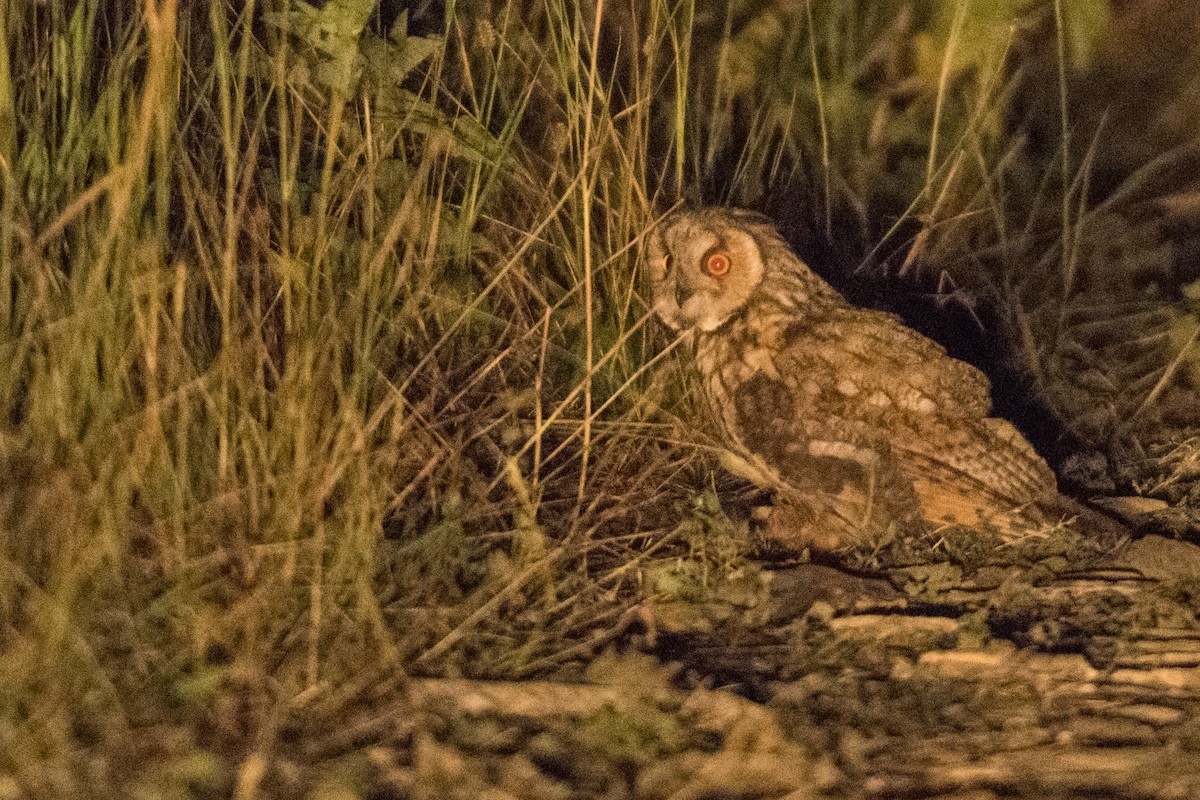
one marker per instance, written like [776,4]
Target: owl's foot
[783,528]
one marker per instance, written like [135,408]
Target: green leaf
[333,34]
[410,51]
[390,63]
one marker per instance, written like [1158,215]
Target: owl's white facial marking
[703,270]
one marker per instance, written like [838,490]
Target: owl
[859,425]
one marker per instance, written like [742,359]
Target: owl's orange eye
[716,264]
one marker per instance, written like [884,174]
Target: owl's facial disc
[702,274]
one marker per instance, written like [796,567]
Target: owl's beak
[681,295]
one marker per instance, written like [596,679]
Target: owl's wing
[973,470]
[877,376]
[874,358]
[836,476]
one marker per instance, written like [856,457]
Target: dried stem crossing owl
[856,422]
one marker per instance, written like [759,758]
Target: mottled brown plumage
[857,423]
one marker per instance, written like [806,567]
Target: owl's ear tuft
[748,217]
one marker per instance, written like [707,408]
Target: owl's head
[706,264]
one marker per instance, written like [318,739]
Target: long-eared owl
[856,422]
